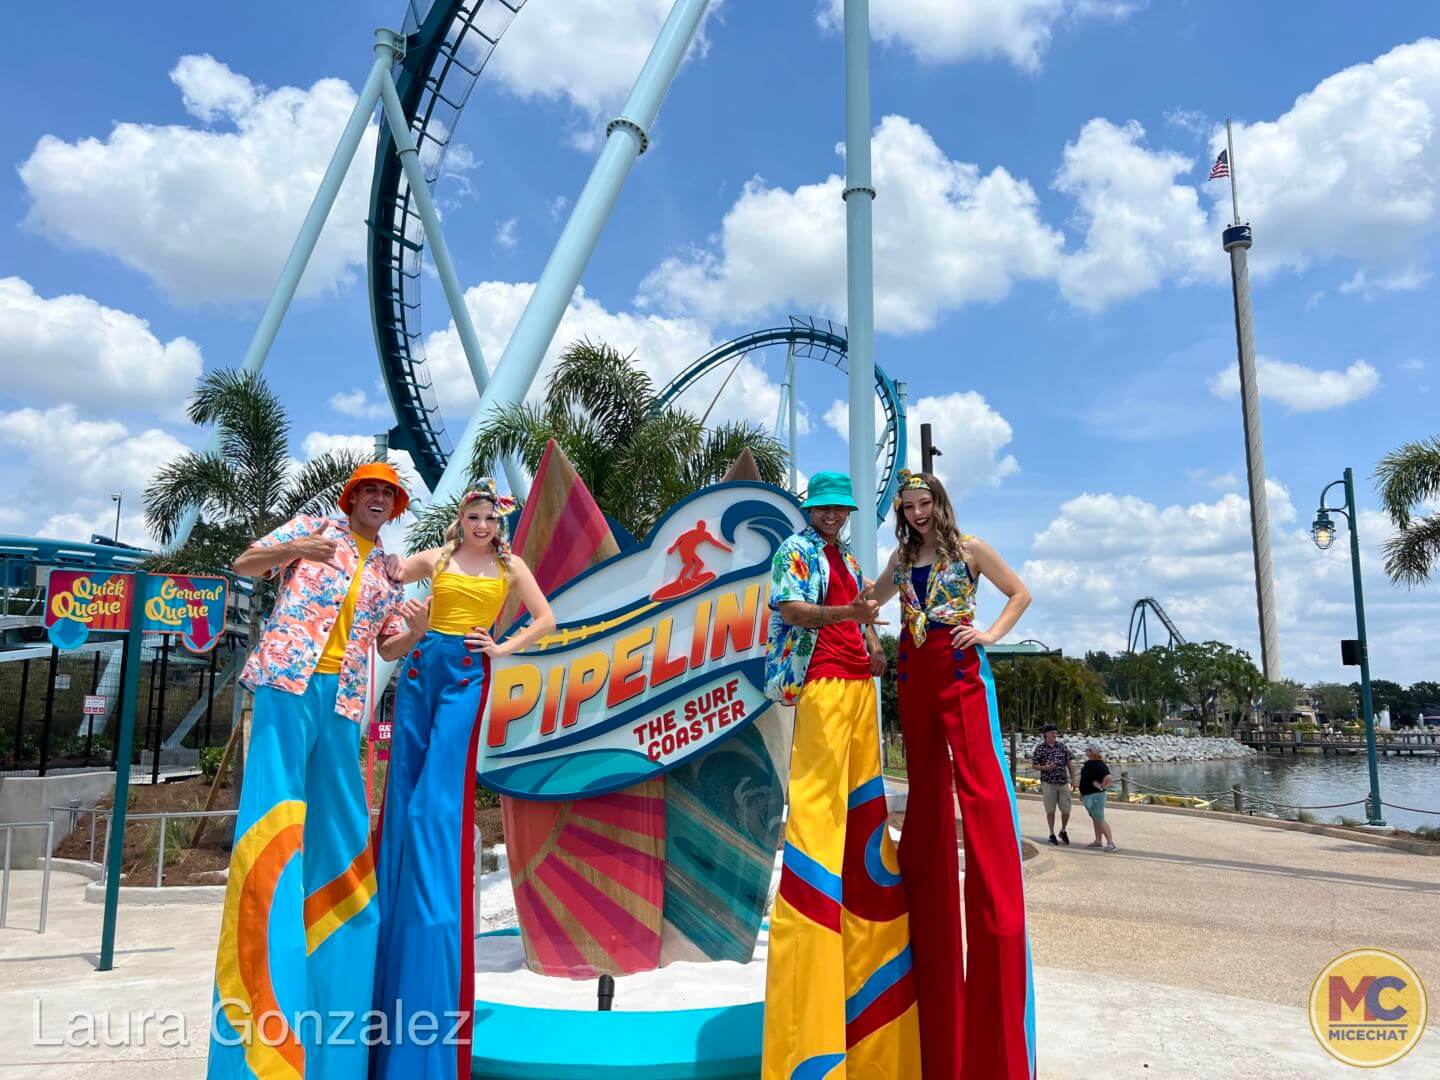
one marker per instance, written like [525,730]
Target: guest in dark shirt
[1053,762]
[1095,780]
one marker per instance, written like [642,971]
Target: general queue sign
[658,656]
[79,601]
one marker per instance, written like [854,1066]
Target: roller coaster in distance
[1139,630]
[447,43]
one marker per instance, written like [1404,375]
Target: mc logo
[1368,1008]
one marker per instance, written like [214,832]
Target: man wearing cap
[839,989]
[298,934]
[1053,761]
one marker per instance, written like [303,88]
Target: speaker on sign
[1350,652]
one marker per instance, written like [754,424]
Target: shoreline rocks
[1147,748]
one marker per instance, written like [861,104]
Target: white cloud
[1102,552]
[947,30]
[662,346]
[1352,170]
[505,233]
[970,434]
[1400,281]
[357,403]
[71,348]
[210,215]
[587,52]
[1300,388]
[61,468]
[1141,226]
[944,235]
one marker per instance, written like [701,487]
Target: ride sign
[79,601]
[659,654]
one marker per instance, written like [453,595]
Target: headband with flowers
[485,489]
[910,481]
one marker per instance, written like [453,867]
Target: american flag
[1221,168]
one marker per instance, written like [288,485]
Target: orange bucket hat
[375,470]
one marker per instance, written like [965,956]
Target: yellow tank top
[332,658]
[463,601]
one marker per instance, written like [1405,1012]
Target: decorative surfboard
[588,875]
[716,892]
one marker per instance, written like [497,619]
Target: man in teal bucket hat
[833,997]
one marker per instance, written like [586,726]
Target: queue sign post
[78,602]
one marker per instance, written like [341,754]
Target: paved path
[1188,954]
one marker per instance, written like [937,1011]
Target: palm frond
[511,431]
[1412,553]
[203,481]
[431,521]
[723,444]
[253,427]
[1408,476]
[600,382]
[316,485]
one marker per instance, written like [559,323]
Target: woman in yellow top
[425,864]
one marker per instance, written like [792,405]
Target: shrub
[485,798]
[210,758]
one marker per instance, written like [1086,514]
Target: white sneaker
[1112,847]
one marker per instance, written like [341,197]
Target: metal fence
[60,709]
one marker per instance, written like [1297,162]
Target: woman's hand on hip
[479,640]
[962,637]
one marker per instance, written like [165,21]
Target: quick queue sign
[80,601]
[658,656]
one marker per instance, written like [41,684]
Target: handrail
[108,813]
[10,827]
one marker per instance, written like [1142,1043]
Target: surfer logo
[693,574]
[1368,1008]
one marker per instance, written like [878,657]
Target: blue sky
[1050,279]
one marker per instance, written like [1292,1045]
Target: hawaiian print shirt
[799,571]
[1053,762]
[310,597]
[949,597]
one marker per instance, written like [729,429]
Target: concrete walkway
[1189,953]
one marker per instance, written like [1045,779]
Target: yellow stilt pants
[839,994]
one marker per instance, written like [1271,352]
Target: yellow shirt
[334,654]
[463,601]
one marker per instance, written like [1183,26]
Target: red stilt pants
[977,1009]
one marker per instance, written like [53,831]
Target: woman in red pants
[977,1002]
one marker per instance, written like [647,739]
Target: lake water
[1308,780]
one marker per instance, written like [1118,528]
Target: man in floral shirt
[1053,761]
[299,929]
[834,997]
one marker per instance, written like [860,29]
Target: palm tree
[1408,477]
[637,457]
[243,490]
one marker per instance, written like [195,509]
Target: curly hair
[949,540]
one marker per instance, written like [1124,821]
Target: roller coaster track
[447,44]
[1140,633]
[817,339]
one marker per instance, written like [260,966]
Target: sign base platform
[686,1021]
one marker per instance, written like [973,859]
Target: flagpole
[1230,157]
[1237,240]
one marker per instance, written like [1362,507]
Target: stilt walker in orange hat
[298,935]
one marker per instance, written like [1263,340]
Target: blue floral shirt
[799,571]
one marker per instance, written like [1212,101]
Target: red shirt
[840,651]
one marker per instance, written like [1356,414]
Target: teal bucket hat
[829,489]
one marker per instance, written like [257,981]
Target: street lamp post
[1323,532]
[117,497]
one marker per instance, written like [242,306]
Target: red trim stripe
[809,901]
[887,1007]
